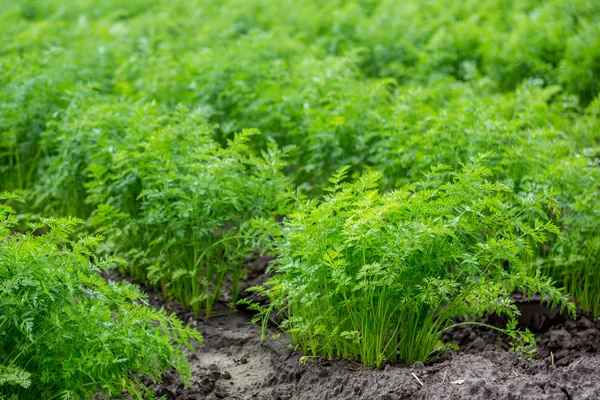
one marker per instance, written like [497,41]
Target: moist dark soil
[234,364]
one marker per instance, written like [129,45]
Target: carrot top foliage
[173,128]
[68,333]
[379,277]
[184,209]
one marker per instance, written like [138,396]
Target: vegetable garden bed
[422,179]
[234,364]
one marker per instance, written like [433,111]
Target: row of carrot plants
[65,331]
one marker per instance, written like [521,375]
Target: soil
[234,364]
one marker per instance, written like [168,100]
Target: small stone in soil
[418,365]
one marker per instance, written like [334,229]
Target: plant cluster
[379,277]
[181,208]
[67,333]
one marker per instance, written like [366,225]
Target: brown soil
[234,364]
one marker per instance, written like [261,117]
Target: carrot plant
[66,332]
[198,211]
[183,209]
[379,277]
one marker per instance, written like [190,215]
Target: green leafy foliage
[183,209]
[65,332]
[140,118]
[378,277]
[321,77]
